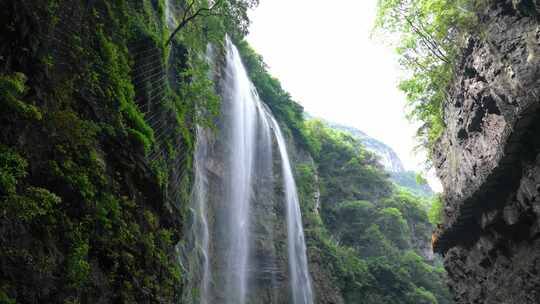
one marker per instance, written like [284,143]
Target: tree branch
[428,41]
[186,18]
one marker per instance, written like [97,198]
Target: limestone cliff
[488,161]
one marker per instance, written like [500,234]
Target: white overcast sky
[322,53]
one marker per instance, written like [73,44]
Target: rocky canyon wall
[489,163]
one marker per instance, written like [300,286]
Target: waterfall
[298,267]
[240,123]
[169,15]
[241,213]
[199,202]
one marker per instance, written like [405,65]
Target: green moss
[151,219]
[108,212]
[161,11]
[197,97]
[12,168]
[160,168]
[76,176]
[5,299]
[12,88]
[76,188]
[34,203]
[78,268]
[72,132]
[139,139]
[25,205]
[116,86]
[436,210]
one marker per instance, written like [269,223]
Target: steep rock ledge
[488,161]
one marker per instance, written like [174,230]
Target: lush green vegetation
[92,190]
[413,182]
[436,210]
[429,34]
[346,163]
[372,234]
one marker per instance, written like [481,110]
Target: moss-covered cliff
[95,149]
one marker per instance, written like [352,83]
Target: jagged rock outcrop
[488,161]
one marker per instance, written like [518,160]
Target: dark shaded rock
[493,108]
[488,161]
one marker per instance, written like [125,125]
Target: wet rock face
[488,161]
[503,265]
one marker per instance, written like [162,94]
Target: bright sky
[322,53]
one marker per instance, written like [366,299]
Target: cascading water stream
[240,123]
[298,266]
[235,201]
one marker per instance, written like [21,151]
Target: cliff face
[488,161]
[94,172]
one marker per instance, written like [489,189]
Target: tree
[436,211]
[234,11]
[421,296]
[373,243]
[394,226]
[431,33]
[352,219]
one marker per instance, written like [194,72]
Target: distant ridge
[388,158]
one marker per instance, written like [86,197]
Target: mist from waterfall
[237,200]
[298,266]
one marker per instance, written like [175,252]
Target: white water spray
[240,123]
[235,195]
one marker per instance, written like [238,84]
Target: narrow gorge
[148,153]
